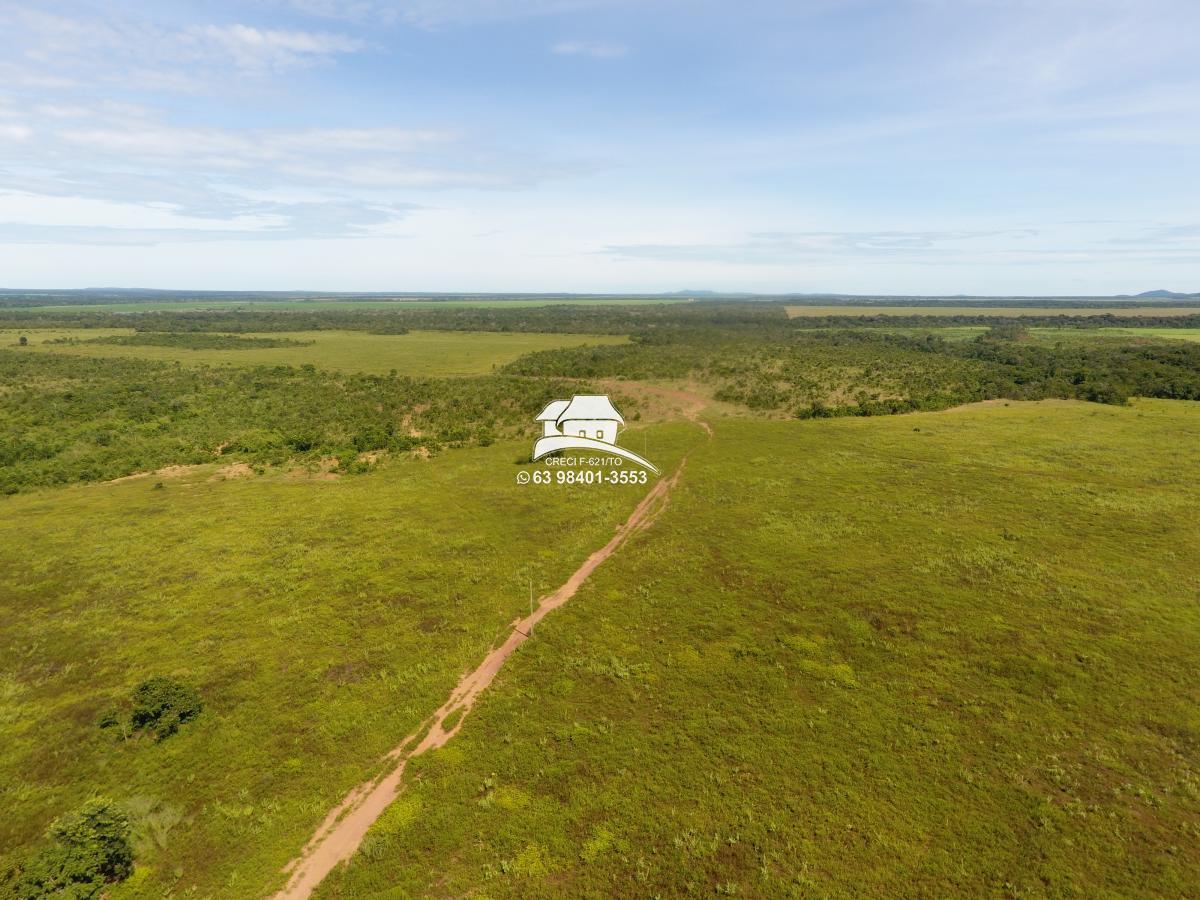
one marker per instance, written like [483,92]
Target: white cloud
[594,49]
[15,132]
[28,218]
[151,140]
[57,51]
[111,173]
[435,13]
[253,48]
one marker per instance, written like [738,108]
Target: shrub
[162,704]
[91,848]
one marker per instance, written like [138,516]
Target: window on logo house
[600,434]
[582,433]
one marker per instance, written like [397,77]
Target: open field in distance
[321,305]
[1065,334]
[1006,311]
[424,353]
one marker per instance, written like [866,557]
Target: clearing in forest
[420,353]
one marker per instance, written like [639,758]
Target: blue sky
[906,146]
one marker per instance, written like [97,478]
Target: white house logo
[585,422]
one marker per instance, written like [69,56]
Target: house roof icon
[581,407]
[585,422]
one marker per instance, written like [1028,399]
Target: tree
[23,341]
[162,704]
[91,848]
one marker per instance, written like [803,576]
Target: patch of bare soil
[233,470]
[324,471]
[662,401]
[164,472]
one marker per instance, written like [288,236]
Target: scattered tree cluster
[809,373]
[66,418]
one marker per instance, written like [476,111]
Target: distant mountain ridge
[1163,294]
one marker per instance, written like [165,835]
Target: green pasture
[1073,334]
[939,654]
[418,353]
[320,620]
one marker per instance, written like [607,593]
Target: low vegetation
[939,654]
[188,340]
[418,353]
[319,621]
[868,372]
[69,419]
[943,653]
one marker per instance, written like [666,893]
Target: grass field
[320,620]
[926,655]
[1006,311]
[939,653]
[423,353]
[1073,334]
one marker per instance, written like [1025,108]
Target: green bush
[91,848]
[162,704]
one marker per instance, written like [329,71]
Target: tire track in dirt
[342,831]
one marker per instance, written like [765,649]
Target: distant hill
[1162,294]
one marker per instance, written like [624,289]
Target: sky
[996,147]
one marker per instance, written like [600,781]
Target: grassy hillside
[320,621]
[429,354]
[944,653]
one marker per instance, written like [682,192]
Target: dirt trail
[340,834]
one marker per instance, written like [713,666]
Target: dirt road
[346,825]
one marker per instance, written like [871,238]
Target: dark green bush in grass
[91,848]
[162,704]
